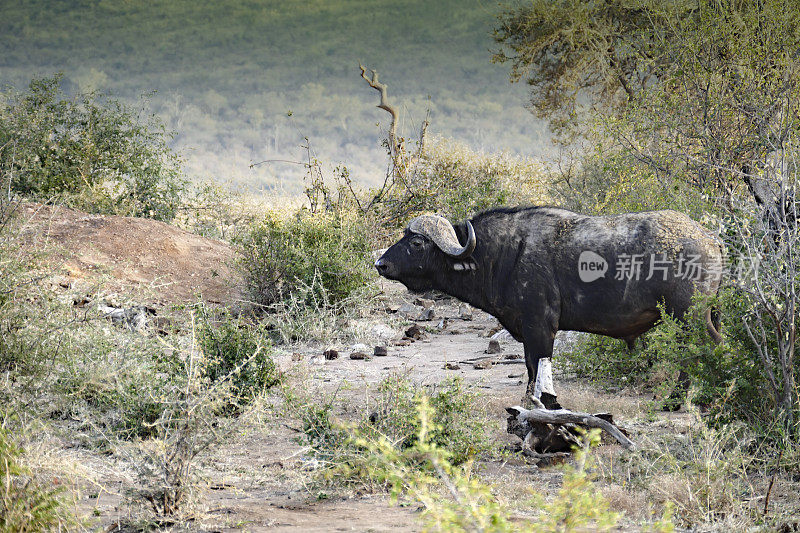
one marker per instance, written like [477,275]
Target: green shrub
[324,257]
[727,379]
[455,499]
[457,425]
[93,153]
[457,182]
[455,415]
[27,504]
[235,350]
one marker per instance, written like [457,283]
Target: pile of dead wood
[551,434]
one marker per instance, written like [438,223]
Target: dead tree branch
[547,427]
[394,145]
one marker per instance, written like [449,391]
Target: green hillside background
[227,75]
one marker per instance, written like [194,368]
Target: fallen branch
[553,430]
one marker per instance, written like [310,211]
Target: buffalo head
[429,247]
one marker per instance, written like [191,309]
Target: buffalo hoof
[550,401]
[671,404]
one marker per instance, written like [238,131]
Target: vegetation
[236,350]
[455,417]
[316,257]
[27,503]
[96,155]
[245,82]
[690,104]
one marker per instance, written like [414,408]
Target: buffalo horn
[441,232]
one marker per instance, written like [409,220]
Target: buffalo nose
[381,265]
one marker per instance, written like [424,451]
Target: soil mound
[160,263]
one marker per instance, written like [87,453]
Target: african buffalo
[539,270]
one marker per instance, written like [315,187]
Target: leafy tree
[95,153]
[682,99]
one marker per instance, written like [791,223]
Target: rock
[426,314]
[380,351]
[359,356]
[81,301]
[494,347]
[483,364]
[451,366]
[512,356]
[360,347]
[296,356]
[383,332]
[424,303]
[414,332]
[163,325]
[134,318]
[403,342]
[442,324]
[330,354]
[62,281]
[409,311]
[464,312]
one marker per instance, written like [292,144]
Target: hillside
[242,82]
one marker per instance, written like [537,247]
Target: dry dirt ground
[260,480]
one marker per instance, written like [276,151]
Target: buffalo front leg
[540,375]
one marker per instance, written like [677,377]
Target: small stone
[414,332]
[512,356]
[81,301]
[425,303]
[380,351]
[403,342]
[331,354]
[359,356]
[383,332]
[297,356]
[162,325]
[494,347]
[409,311]
[451,366]
[442,324]
[464,312]
[426,314]
[483,364]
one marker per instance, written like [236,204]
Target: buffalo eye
[417,242]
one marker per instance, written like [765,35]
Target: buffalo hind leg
[675,400]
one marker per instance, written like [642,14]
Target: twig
[772,482]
